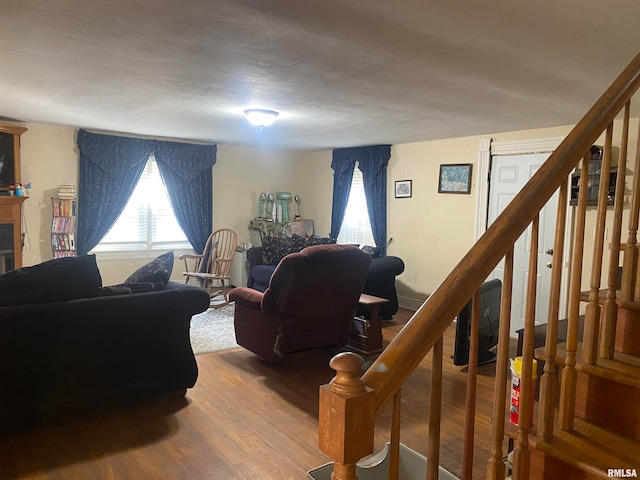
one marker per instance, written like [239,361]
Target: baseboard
[410,303]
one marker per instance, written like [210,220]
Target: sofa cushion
[55,280]
[156,271]
[127,288]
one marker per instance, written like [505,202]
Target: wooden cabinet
[594,171]
[10,156]
[10,206]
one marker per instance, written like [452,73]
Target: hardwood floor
[244,419]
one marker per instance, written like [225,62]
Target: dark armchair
[381,279]
[310,302]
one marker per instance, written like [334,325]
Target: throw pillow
[298,242]
[55,280]
[274,249]
[371,250]
[157,270]
[318,240]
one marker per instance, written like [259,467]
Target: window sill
[137,254]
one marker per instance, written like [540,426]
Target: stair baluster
[549,381]
[470,403]
[592,313]
[435,411]
[610,307]
[569,375]
[521,454]
[630,260]
[495,465]
[394,446]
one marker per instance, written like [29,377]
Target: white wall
[240,176]
[49,158]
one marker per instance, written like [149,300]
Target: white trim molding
[488,148]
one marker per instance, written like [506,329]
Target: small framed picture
[403,188]
[455,178]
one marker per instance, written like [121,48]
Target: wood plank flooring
[244,419]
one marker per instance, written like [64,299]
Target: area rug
[212,331]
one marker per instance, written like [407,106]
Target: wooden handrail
[402,356]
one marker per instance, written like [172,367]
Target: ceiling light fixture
[260,117]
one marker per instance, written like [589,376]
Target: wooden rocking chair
[212,269]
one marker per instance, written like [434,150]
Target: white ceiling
[341,72]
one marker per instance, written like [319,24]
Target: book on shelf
[64,207]
[67,191]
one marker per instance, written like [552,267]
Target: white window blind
[356,227]
[147,222]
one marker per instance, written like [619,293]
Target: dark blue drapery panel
[109,169]
[186,172]
[372,162]
[343,166]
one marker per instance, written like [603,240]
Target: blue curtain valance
[110,167]
[187,161]
[114,155]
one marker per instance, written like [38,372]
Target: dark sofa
[108,346]
[380,282]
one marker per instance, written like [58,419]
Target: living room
[434,71]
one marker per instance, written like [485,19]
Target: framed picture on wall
[455,178]
[403,188]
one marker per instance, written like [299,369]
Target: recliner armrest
[246,297]
[386,265]
[254,256]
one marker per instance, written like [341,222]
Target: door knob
[549,251]
[549,265]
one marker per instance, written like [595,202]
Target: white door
[509,173]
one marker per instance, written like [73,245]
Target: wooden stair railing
[350,405]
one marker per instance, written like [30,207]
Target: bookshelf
[63,227]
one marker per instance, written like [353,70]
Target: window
[356,227]
[147,222]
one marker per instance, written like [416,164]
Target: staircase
[586,422]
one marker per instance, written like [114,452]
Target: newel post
[346,418]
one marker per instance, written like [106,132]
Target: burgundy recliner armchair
[310,302]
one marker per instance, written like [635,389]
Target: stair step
[588,448]
[592,449]
[602,296]
[624,368]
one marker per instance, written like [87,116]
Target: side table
[366,335]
